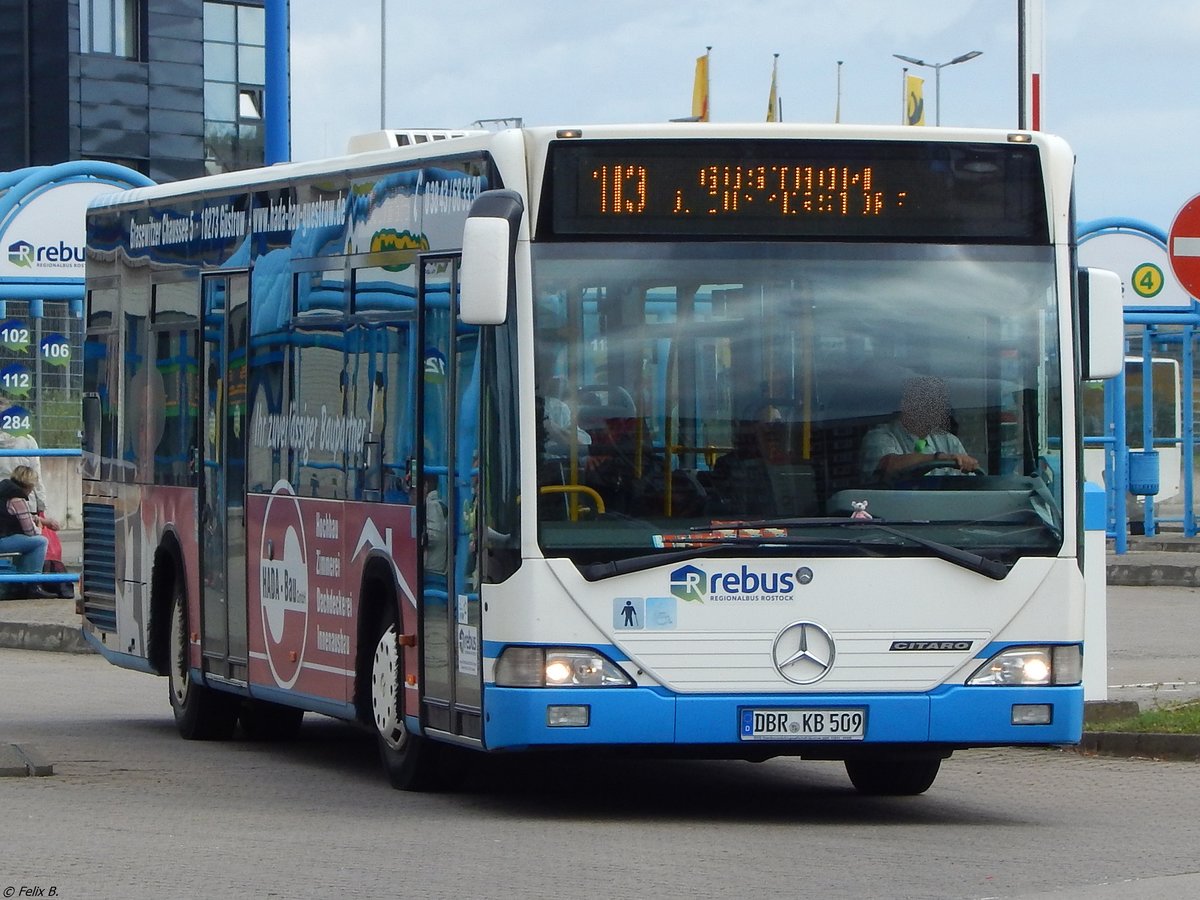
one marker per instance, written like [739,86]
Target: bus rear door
[222,484]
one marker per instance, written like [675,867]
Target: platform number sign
[1147,280]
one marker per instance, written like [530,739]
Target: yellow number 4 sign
[1147,280]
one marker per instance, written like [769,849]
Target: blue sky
[1121,78]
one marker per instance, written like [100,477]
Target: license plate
[803,724]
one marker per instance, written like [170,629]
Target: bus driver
[918,437]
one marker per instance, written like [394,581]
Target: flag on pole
[914,108]
[773,97]
[700,88]
[1031,59]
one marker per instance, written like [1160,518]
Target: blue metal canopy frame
[16,189]
[1116,465]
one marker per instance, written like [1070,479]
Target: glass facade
[234,76]
[110,26]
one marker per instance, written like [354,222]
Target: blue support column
[1188,431]
[1148,420]
[1114,390]
[277,118]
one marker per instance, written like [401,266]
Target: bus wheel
[408,759]
[894,777]
[265,721]
[201,714]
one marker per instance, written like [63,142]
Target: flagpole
[382,65]
[904,96]
[774,72]
[837,112]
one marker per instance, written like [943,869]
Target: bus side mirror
[1101,324]
[488,251]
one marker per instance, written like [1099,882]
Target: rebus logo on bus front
[689,583]
[692,584]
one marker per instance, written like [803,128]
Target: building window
[110,26]
[235,61]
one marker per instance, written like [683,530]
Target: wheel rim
[178,669]
[385,691]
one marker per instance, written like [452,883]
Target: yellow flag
[914,100]
[700,90]
[773,97]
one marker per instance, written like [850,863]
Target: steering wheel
[921,469]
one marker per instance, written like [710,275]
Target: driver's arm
[963,461]
[894,463]
[898,462]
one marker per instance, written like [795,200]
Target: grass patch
[1181,718]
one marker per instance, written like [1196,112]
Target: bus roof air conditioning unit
[390,139]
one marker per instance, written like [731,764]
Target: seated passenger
[562,433]
[920,435]
[742,477]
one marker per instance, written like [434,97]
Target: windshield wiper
[983,565]
[975,562]
[597,571]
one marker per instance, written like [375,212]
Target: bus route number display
[857,189]
[728,189]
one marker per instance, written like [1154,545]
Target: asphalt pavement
[1153,607]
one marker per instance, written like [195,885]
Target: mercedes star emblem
[803,652]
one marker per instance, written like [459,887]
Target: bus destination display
[801,188]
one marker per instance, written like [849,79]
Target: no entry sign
[1183,246]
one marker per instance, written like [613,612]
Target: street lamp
[937,76]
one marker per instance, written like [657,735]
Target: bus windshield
[698,393]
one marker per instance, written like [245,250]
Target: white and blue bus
[552,439]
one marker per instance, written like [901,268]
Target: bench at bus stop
[10,578]
[8,573]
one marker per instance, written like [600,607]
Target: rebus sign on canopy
[46,235]
[1183,246]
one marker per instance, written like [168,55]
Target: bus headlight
[557,667]
[1032,666]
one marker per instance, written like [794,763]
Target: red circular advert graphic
[1183,246]
[284,585]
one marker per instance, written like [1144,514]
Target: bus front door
[223,461]
[447,459]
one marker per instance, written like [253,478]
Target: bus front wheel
[201,714]
[408,759]
[892,777]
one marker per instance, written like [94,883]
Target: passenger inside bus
[919,438]
[760,476]
[614,469]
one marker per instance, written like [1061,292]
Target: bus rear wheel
[409,760]
[893,777]
[201,714]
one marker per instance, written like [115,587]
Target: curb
[1128,744]
[59,638]
[1140,575]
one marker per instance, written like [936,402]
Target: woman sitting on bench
[19,530]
